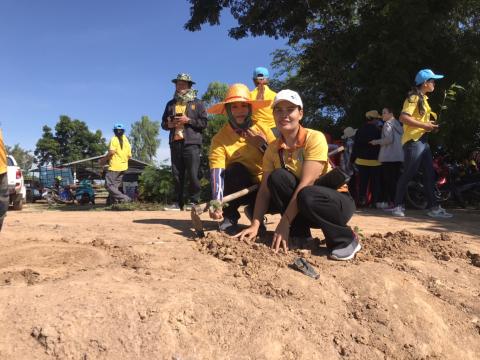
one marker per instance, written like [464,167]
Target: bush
[156,184]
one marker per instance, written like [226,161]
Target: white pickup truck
[16,186]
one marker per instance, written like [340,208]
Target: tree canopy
[23,157]
[348,57]
[144,139]
[72,141]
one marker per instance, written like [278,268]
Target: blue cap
[424,75]
[119,127]
[260,72]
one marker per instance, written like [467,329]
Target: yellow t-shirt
[119,160]
[366,162]
[315,148]
[264,115]
[3,155]
[228,147]
[410,107]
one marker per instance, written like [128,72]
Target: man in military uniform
[185,117]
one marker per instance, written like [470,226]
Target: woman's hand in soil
[280,237]
[248,233]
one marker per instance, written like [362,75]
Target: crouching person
[236,154]
[292,169]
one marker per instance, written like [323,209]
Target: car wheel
[18,202]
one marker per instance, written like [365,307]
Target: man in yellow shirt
[3,181]
[264,116]
[119,151]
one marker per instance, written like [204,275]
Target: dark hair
[421,99]
[119,134]
[389,109]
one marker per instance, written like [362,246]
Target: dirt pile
[132,286]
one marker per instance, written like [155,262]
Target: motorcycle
[84,193]
[451,184]
[60,195]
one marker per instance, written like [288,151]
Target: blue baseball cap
[118,127]
[424,75]
[260,72]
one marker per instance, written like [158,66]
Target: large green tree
[23,157]
[72,141]
[144,139]
[347,57]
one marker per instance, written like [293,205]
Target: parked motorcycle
[452,184]
[84,193]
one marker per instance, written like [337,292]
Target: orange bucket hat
[238,93]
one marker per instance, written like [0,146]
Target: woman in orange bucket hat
[236,153]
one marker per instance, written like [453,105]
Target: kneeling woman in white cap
[292,169]
[236,153]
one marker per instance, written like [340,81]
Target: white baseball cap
[288,95]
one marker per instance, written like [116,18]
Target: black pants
[185,162]
[369,175]
[319,207]
[236,178]
[390,173]
[4,197]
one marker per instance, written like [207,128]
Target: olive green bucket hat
[183,77]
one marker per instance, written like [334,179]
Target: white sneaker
[172,207]
[439,212]
[398,211]
[381,205]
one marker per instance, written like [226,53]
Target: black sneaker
[228,226]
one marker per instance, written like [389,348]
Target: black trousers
[319,207]
[4,197]
[236,178]
[369,175]
[185,164]
[390,173]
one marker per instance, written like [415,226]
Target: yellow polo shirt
[314,148]
[228,147]
[264,115]
[3,155]
[119,160]
[410,107]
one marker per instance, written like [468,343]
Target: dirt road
[134,285]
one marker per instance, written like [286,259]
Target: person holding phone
[293,168]
[185,118]
[418,121]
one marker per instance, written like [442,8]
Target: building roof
[131,162]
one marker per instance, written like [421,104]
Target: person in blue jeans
[418,120]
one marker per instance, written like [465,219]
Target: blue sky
[108,61]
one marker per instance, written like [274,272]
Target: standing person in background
[366,158]
[346,163]
[417,119]
[119,151]
[3,181]
[264,116]
[185,118]
[391,157]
